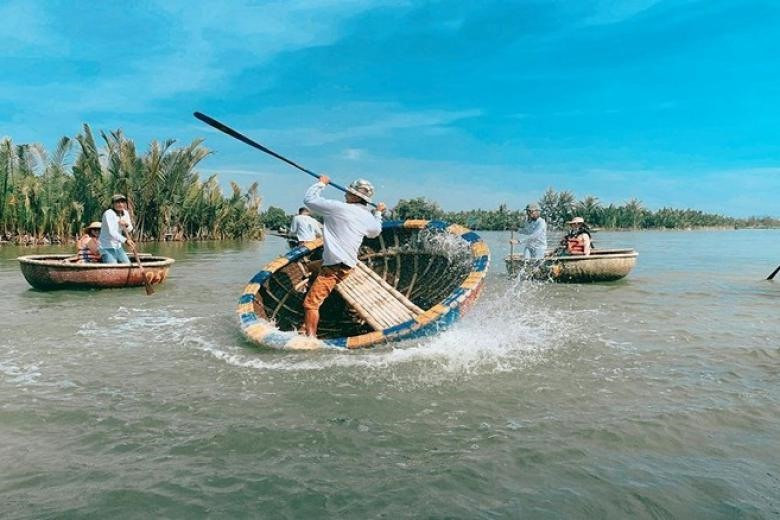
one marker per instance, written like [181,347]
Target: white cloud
[25,30]
[352,154]
[349,122]
[193,58]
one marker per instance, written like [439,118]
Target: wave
[511,328]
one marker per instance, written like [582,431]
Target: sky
[471,104]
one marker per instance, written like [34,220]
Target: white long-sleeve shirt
[345,226]
[125,217]
[534,236]
[305,228]
[111,236]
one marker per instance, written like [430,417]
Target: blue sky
[468,103]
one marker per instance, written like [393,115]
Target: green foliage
[40,195]
[559,207]
[275,218]
[419,208]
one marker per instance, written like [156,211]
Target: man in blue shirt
[534,233]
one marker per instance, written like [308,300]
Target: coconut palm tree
[41,194]
[589,208]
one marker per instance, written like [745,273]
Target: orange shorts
[326,281]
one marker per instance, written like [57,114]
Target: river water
[654,397]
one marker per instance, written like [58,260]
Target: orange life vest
[575,246]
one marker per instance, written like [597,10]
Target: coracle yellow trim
[479,249]
[415,224]
[472,280]
[457,229]
[431,314]
[365,339]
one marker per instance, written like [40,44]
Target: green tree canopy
[41,195]
[419,208]
[275,218]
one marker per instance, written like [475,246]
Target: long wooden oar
[773,273]
[147,282]
[254,144]
[512,251]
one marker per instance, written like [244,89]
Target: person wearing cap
[113,226]
[346,223]
[578,240]
[533,234]
[88,248]
[304,227]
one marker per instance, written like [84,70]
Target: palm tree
[589,208]
[548,203]
[633,212]
[41,195]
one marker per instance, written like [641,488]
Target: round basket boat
[602,265]
[415,279]
[49,272]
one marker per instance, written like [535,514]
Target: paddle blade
[148,283]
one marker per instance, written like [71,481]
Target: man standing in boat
[533,234]
[346,223]
[115,222]
[304,228]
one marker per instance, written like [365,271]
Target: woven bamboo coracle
[415,279]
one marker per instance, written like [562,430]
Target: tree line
[560,207]
[52,196]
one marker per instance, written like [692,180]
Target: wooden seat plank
[374,300]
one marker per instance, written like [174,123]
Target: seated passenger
[578,239]
[88,246]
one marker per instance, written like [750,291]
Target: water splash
[140,326]
[513,327]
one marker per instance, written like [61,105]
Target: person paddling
[88,247]
[578,240]
[116,220]
[346,223]
[534,233]
[304,228]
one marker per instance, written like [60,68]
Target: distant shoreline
[598,230]
[629,230]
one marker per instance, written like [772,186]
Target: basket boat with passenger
[49,272]
[602,265]
[416,278]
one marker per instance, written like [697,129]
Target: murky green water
[654,397]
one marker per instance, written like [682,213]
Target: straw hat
[533,207]
[363,189]
[94,225]
[576,220]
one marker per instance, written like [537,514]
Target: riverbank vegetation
[559,207]
[50,197]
